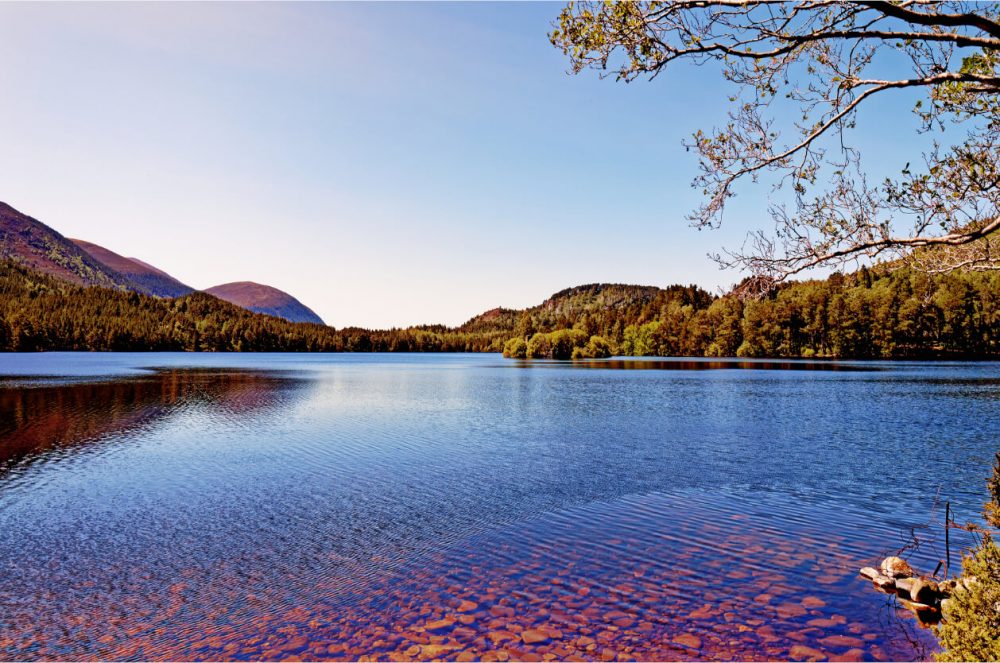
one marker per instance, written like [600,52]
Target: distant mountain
[142,276]
[265,299]
[33,244]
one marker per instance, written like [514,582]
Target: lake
[418,507]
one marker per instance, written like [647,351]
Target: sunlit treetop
[826,59]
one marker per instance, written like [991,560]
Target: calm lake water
[177,506]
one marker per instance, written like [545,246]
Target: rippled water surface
[466,507]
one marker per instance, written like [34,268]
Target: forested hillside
[39,312]
[891,314]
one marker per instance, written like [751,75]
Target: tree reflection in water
[45,420]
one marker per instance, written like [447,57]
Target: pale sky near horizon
[386,164]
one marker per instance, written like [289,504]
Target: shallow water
[428,506]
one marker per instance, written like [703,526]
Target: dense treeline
[41,312]
[893,314]
[887,314]
[869,314]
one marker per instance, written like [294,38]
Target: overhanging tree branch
[819,56]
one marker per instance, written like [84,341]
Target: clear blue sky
[386,164]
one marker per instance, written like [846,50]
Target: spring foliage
[971,627]
[561,344]
[970,630]
[902,313]
[799,72]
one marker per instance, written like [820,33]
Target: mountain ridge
[41,248]
[144,277]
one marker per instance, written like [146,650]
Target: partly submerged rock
[926,614]
[903,586]
[870,572]
[883,582]
[896,567]
[924,591]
